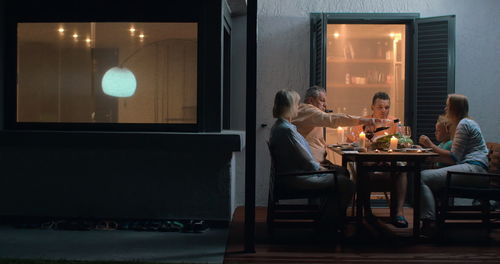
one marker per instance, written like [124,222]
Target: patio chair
[376,185]
[305,215]
[483,194]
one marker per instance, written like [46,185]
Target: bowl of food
[383,142]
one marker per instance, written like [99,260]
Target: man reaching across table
[312,118]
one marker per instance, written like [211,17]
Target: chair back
[494,157]
[272,173]
[287,215]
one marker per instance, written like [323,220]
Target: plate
[346,145]
[415,150]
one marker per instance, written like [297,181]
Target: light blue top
[290,149]
[469,145]
[446,146]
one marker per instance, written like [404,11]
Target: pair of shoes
[195,226]
[399,222]
[171,226]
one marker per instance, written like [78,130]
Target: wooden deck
[380,243]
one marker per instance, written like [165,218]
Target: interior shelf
[368,85]
[343,60]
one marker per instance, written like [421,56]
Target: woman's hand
[425,141]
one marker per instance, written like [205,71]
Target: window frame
[378,18]
[416,99]
[206,15]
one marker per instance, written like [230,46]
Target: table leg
[416,201]
[359,193]
[393,210]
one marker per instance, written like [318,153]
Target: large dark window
[104,65]
[107,73]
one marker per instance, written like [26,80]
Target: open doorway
[363,59]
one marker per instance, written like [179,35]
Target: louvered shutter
[318,56]
[435,70]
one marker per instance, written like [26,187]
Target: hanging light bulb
[119,82]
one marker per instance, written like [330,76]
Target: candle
[340,135]
[394,143]
[362,140]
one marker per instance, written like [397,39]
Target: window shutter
[318,56]
[435,70]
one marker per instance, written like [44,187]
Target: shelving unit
[362,60]
[369,85]
[331,59]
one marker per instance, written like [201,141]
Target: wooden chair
[377,185]
[483,211]
[281,215]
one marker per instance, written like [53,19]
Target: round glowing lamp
[119,82]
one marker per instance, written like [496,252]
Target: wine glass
[369,132]
[406,131]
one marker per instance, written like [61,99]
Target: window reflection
[61,68]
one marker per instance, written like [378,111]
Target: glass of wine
[369,132]
[406,131]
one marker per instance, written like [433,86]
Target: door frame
[385,18]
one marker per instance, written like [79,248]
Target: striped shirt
[469,145]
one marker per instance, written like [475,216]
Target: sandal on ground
[399,222]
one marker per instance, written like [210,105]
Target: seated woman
[292,154]
[468,154]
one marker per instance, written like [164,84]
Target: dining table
[393,161]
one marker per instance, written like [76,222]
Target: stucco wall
[283,56]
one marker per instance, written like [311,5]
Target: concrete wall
[283,56]
[118,175]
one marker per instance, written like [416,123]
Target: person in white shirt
[312,118]
[292,154]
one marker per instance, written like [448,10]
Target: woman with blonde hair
[443,136]
[292,154]
[468,154]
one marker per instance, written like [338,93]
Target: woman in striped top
[468,154]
